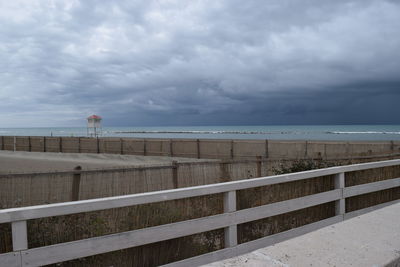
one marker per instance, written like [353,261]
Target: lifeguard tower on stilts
[94,126]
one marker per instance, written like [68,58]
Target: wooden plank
[24,213]
[252,214]
[19,235]
[359,212]
[103,244]
[65,208]
[273,239]
[92,246]
[12,259]
[371,165]
[207,258]
[370,187]
[254,245]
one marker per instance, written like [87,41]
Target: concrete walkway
[372,239]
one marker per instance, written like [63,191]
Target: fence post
[232,154]
[19,235]
[60,144]
[224,169]
[15,143]
[259,163]
[122,145]
[76,181]
[175,173]
[306,150]
[2,142]
[348,155]
[44,143]
[230,232]
[392,148]
[144,147]
[340,204]
[198,148]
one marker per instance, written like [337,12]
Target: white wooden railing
[23,256]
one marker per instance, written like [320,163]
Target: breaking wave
[368,132]
[206,132]
[251,132]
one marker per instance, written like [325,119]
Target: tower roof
[94,117]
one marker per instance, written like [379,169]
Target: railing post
[341,203]
[19,235]
[230,231]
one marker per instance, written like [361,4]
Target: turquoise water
[288,132]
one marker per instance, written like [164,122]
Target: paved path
[372,239]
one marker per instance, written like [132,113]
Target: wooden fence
[205,148]
[228,220]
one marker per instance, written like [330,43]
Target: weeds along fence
[194,225]
[204,148]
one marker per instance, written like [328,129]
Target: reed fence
[342,188]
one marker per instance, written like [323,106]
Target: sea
[274,132]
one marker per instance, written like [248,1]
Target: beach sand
[23,162]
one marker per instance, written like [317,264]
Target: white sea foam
[207,132]
[250,132]
[367,132]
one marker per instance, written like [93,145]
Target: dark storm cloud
[199,62]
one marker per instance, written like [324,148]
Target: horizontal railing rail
[228,220]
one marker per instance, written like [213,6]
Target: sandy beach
[22,162]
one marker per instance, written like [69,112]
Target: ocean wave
[367,132]
[207,132]
[248,132]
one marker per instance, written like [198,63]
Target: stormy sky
[166,62]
